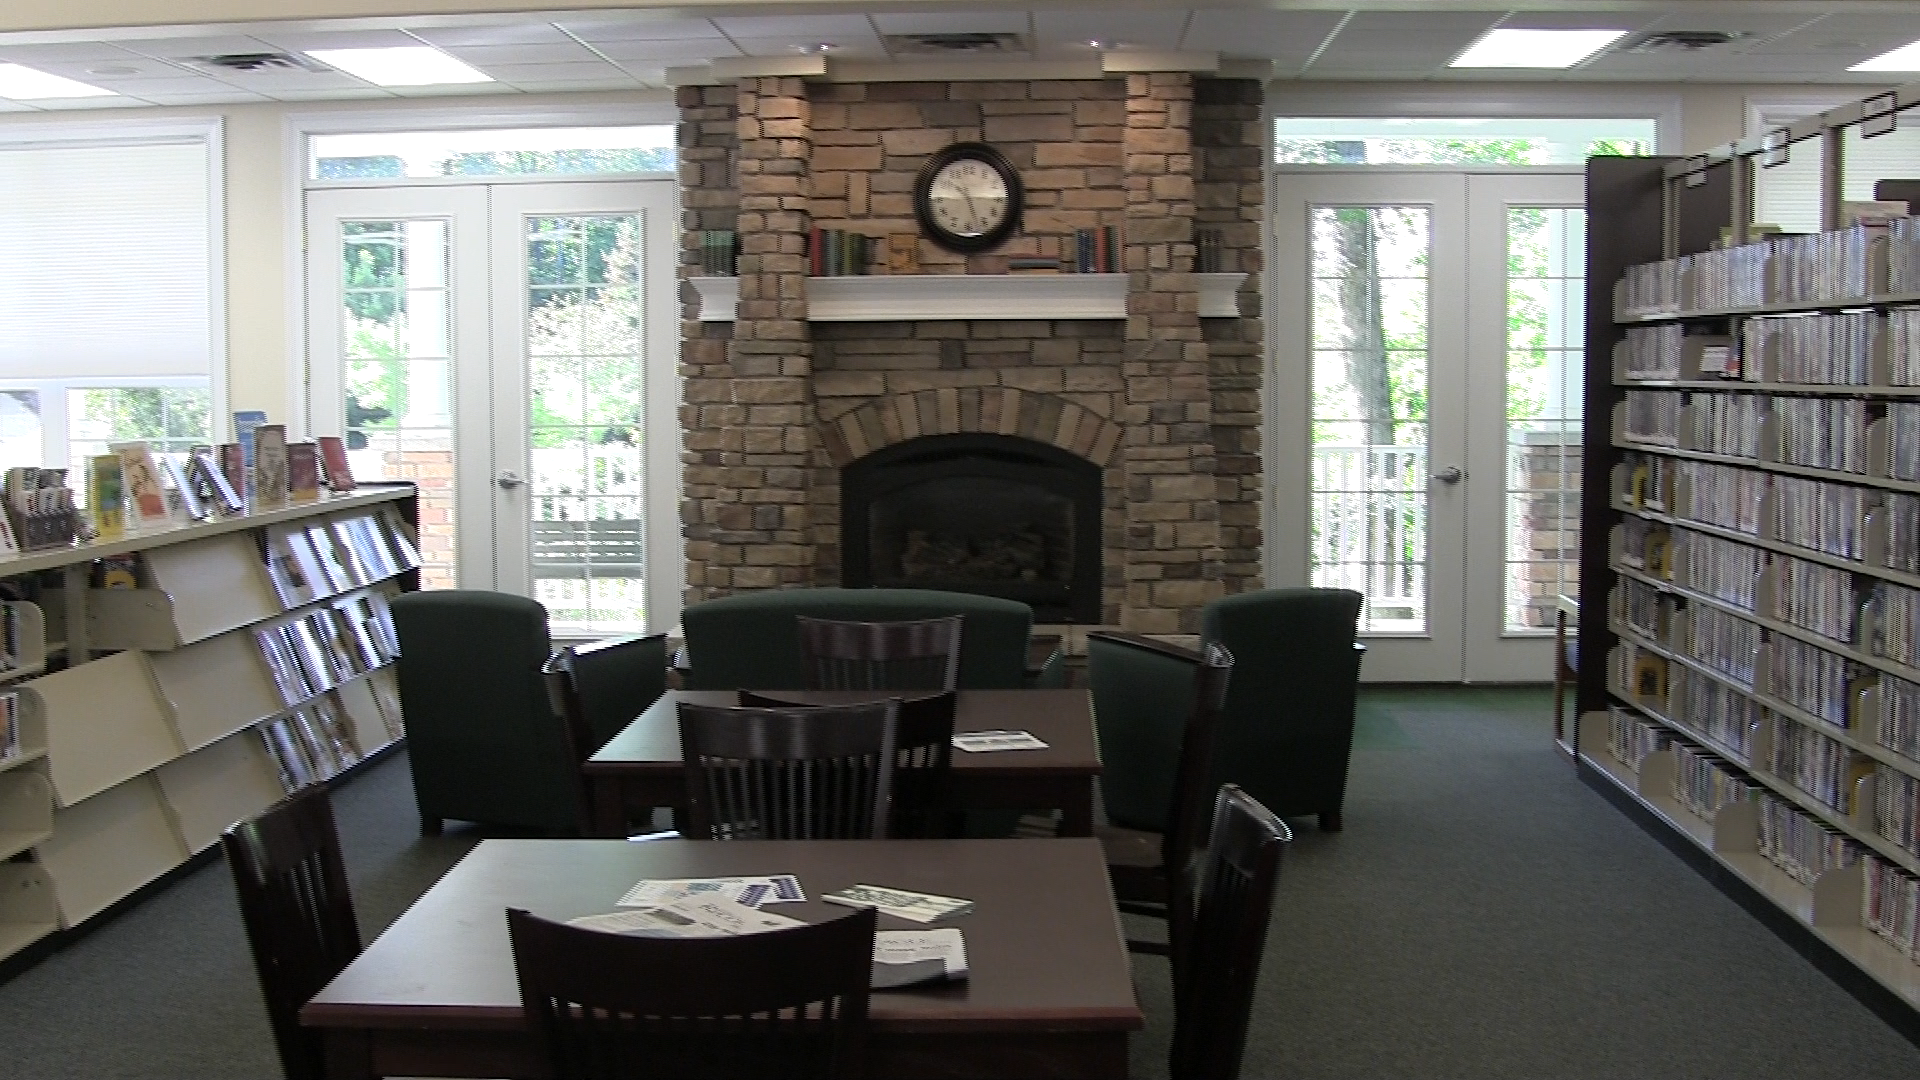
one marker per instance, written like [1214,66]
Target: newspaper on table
[980,742]
[912,957]
[901,903]
[707,916]
[748,891]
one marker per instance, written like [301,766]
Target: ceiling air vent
[955,44]
[1685,41]
[257,63]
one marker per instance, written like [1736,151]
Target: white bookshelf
[150,740]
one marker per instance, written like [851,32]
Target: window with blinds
[1789,195]
[106,298]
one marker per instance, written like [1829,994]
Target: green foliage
[167,417]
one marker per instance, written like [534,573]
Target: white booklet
[902,903]
[911,957]
[710,916]
[748,891]
[981,742]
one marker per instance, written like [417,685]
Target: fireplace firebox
[991,514]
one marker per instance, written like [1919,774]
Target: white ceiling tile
[561,52]
[66,104]
[952,22]
[362,93]
[531,33]
[175,48]
[1279,35]
[225,97]
[296,41]
[652,76]
[78,52]
[451,90]
[1764,23]
[1578,20]
[1141,29]
[126,67]
[523,75]
[185,84]
[680,52]
[804,27]
[1402,23]
[845,46]
[1859,36]
[268,81]
[636,27]
[15,107]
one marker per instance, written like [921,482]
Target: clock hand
[973,215]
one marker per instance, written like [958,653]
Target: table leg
[1076,813]
[609,809]
[349,1054]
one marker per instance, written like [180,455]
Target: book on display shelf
[303,472]
[269,466]
[334,463]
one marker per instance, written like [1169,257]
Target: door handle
[509,480]
[1450,475]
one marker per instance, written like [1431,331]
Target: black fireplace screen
[990,514]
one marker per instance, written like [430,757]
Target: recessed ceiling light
[1904,58]
[1535,48]
[21,83]
[407,65]
[113,69]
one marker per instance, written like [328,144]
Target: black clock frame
[923,203]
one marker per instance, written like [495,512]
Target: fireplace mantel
[893,298]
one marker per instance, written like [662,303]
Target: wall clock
[967,197]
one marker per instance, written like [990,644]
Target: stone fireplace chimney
[1160,393]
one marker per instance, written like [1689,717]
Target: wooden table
[1050,994]
[640,767]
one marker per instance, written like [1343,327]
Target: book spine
[816,257]
[1112,235]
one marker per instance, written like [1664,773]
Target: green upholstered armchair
[1288,729]
[751,641]
[482,738]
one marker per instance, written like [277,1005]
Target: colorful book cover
[245,421]
[270,465]
[148,497]
[180,475]
[333,461]
[211,482]
[303,472]
[233,466]
[107,495]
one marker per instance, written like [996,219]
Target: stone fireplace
[1102,465]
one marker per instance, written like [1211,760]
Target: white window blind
[1789,195]
[109,261]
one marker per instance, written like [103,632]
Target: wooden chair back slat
[298,914]
[792,773]
[787,1003]
[923,754]
[1215,978]
[922,654]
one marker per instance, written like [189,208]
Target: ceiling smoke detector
[1685,41]
[256,63]
[955,44]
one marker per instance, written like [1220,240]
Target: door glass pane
[584,333]
[1546,326]
[395,336]
[1368,326]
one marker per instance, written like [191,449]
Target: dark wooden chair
[793,773]
[1157,707]
[923,754]
[1214,972]
[923,654]
[597,689]
[787,1003]
[298,914]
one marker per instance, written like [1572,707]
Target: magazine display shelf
[1695,712]
[155,737]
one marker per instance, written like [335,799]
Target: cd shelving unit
[1750,644]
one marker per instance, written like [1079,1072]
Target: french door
[1425,403]
[511,348]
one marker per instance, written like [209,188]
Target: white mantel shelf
[894,298]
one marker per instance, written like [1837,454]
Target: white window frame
[297,128]
[56,427]
[210,132]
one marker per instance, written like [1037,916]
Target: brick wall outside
[775,403]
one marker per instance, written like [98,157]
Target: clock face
[968,198]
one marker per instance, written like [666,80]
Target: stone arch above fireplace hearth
[971,410]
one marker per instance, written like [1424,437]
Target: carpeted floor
[1484,916]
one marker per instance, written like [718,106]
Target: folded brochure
[984,741]
[902,903]
[748,891]
[694,917]
[912,957]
